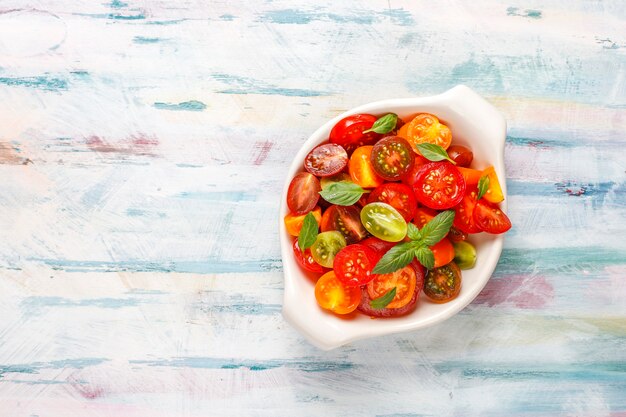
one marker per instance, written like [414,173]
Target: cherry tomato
[332,295]
[494,192]
[398,196]
[471,176]
[392,157]
[361,170]
[443,284]
[379,246]
[326,181]
[410,177]
[353,265]
[443,251]
[384,222]
[439,185]
[346,220]
[489,218]
[408,281]
[326,247]
[303,193]
[456,235]
[462,155]
[305,259]
[426,128]
[326,160]
[464,217]
[423,215]
[348,132]
[293,222]
[464,255]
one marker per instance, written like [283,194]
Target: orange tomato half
[361,170]
[404,280]
[443,251]
[471,176]
[293,222]
[426,128]
[494,192]
[332,295]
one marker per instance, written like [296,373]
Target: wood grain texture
[143,148]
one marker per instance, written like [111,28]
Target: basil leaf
[433,152]
[342,193]
[384,124]
[383,301]
[425,256]
[483,186]
[397,257]
[437,228]
[413,232]
[308,233]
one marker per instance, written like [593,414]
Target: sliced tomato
[494,192]
[293,222]
[423,215]
[379,246]
[348,132]
[327,181]
[326,160]
[462,155]
[303,193]
[464,217]
[353,265]
[471,176]
[490,218]
[361,170]
[456,235]
[384,222]
[392,158]
[443,251]
[305,259]
[410,177]
[398,196]
[346,220]
[408,282]
[326,246]
[443,284]
[332,295]
[439,185]
[426,128]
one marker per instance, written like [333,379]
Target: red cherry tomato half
[303,193]
[443,251]
[423,215]
[443,284]
[456,235]
[348,132]
[305,260]
[439,185]
[353,265]
[410,177]
[326,160]
[392,157]
[464,217]
[462,155]
[490,218]
[398,196]
[346,220]
[379,246]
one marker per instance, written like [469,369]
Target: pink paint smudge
[263,149]
[9,155]
[522,291]
[141,145]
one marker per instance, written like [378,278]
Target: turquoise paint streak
[40,82]
[191,105]
[143,40]
[31,305]
[117,4]
[366,17]
[243,85]
[305,365]
[530,13]
[34,367]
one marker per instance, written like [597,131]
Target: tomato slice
[379,246]
[464,217]
[490,218]
[494,192]
[332,295]
[293,222]
[457,235]
[426,128]
[326,247]
[398,196]
[353,265]
[443,284]
[303,193]
[361,170]
[392,157]
[305,259]
[348,132]
[326,160]
[346,220]
[410,177]
[462,155]
[423,215]
[443,251]
[384,222]
[439,185]
[326,181]
[471,176]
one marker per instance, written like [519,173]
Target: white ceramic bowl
[474,122]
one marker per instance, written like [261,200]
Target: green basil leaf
[384,124]
[397,257]
[483,186]
[413,232]
[433,152]
[308,233]
[437,228]
[425,256]
[383,301]
[342,193]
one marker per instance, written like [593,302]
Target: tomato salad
[383,211]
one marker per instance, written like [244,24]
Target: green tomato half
[464,255]
[326,246]
[384,222]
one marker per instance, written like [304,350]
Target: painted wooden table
[143,147]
